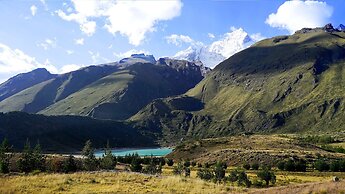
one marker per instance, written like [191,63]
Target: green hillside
[40,96]
[283,84]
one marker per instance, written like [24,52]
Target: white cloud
[257,37]
[128,18]
[69,52]
[79,41]
[129,53]
[178,40]
[298,14]
[48,43]
[97,58]
[15,61]
[211,36]
[33,9]
[70,67]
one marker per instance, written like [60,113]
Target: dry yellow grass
[306,188]
[107,182]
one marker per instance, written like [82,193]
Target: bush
[219,171]
[186,163]
[136,165]
[152,168]
[281,165]
[243,180]
[233,176]
[205,174]
[90,161]
[178,169]
[246,166]
[255,166]
[5,156]
[267,176]
[193,163]
[170,162]
[108,161]
[321,165]
[69,165]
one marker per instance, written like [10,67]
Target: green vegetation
[69,133]
[5,156]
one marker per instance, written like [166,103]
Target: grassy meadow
[128,182]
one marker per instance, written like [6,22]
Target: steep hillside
[123,93]
[69,133]
[283,84]
[112,91]
[42,95]
[22,81]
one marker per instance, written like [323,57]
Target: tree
[243,180]
[281,165]
[170,162]
[186,163]
[246,166]
[69,165]
[136,163]
[5,156]
[321,165]
[219,171]
[289,165]
[152,168]
[38,159]
[267,176]
[335,166]
[205,174]
[178,169]
[26,158]
[255,166]
[108,161]
[90,162]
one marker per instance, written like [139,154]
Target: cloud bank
[128,18]
[298,14]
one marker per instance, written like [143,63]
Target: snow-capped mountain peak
[218,51]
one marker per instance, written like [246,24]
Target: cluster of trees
[32,160]
[182,168]
[217,173]
[333,166]
[297,165]
[300,165]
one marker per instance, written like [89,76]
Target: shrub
[186,163]
[267,176]
[205,174]
[108,161]
[5,156]
[233,176]
[136,165]
[170,162]
[25,162]
[335,166]
[69,164]
[281,165]
[255,166]
[193,163]
[152,168]
[321,165]
[243,180]
[219,171]
[90,162]
[178,169]
[246,166]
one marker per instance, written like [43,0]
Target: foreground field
[124,182]
[106,182]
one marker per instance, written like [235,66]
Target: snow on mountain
[211,55]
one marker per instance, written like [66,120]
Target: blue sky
[45,33]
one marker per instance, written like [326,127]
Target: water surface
[141,152]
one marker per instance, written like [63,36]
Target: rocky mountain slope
[111,91]
[282,84]
[22,81]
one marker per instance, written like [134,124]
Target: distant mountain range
[110,91]
[218,51]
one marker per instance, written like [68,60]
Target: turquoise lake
[141,152]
